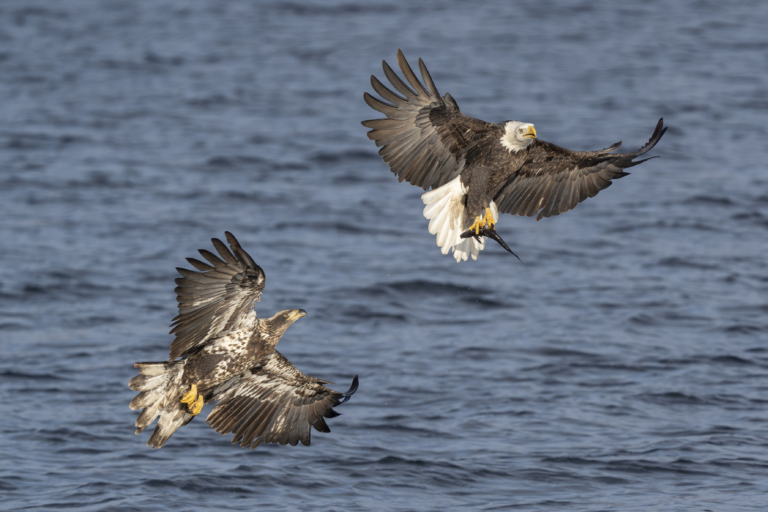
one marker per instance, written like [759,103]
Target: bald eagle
[477,170]
[227,355]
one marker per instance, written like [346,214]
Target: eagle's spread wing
[554,180]
[274,403]
[216,298]
[424,137]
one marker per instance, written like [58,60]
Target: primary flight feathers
[220,296]
[474,166]
[228,356]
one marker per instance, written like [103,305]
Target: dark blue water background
[622,366]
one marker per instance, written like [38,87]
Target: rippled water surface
[622,366]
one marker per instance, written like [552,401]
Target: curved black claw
[492,234]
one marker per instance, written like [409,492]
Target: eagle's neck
[263,341]
[268,333]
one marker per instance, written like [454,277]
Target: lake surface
[622,366]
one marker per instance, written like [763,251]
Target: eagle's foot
[193,400]
[489,222]
[478,225]
[190,395]
[484,222]
[197,406]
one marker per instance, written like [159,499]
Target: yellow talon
[190,396]
[195,408]
[193,400]
[479,222]
[489,222]
[483,222]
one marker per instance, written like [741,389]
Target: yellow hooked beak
[295,315]
[531,133]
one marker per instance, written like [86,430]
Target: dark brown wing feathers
[424,137]
[410,76]
[554,180]
[275,403]
[216,296]
[428,80]
[655,138]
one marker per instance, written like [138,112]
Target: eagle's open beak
[531,133]
[296,314]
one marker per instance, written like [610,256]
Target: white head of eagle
[517,135]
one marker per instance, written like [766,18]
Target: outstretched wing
[424,137]
[274,403]
[554,180]
[216,298]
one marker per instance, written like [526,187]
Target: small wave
[746,329]
[645,467]
[354,154]
[676,262]
[10,374]
[93,321]
[672,398]
[364,313]
[419,286]
[14,326]
[234,161]
[734,360]
[706,200]
[485,303]
[212,101]
[334,11]
[6,486]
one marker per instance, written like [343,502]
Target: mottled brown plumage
[228,356]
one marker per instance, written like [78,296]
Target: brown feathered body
[230,355]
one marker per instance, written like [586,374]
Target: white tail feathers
[448,219]
[160,390]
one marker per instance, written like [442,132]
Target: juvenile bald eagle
[227,355]
[475,167]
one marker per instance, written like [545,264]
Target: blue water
[622,366]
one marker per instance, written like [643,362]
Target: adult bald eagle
[227,355]
[475,167]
